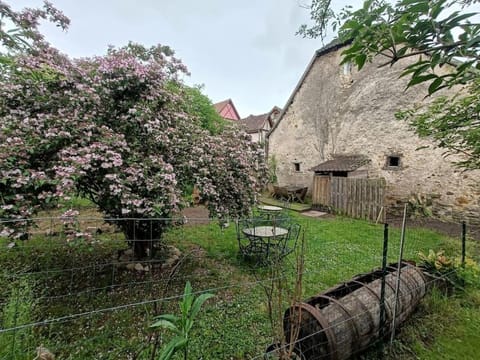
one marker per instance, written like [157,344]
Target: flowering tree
[19,29]
[113,129]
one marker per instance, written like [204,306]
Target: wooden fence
[357,198]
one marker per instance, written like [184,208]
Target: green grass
[18,309]
[293,206]
[233,325]
[443,327]
[77,202]
[337,249]
[452,330]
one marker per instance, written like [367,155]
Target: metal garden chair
[250,247]
[290,241]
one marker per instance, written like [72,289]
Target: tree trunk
[142,235]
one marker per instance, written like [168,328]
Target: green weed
[19,309]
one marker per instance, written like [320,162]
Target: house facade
[258,126]
[227,110]
[337,113]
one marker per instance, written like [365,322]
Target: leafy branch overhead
[442,39]
[412,28]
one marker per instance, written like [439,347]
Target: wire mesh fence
[82,288]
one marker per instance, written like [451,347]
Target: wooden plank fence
[357,198]
[321,190]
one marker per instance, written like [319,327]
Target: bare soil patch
[448,228]
[196,215]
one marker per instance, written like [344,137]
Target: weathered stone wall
[334,113]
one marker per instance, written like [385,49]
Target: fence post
[384,273]
[399,268]
[464,241]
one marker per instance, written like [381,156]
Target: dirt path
[451,229]
[196,215]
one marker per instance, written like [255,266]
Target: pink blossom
[114,129]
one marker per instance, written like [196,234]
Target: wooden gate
[357,198]
[321,190]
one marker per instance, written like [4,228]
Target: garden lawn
[336,250]
[232,325]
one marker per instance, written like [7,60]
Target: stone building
[336,112]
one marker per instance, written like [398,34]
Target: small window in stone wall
[347,69]
[296,166]
[346,79]
[393,162]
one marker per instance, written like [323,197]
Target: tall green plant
[18,310]
[181,325]
[272,170]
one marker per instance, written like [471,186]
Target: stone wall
[336,111]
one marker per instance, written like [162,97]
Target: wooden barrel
[345,320]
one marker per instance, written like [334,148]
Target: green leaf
[177,343]
[166,325]
[454,20]
[416,68]
[473,41]
[188,325]
[169,317]
[402,51]
[167,352]
[199,301]
[419,8]
[434,85]
[410,2]
[435,60]
[464,66]
[188,289]
[360,60]
[186,304]
[436,10]
[355,47]
[419,79]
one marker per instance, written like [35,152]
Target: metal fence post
[464,241]
[399,268]
[384,273]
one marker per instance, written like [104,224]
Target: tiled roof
[220,105]
[332,45]
[254,123]
[342,163]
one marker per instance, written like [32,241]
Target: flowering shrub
[24,31]
[113,129]
[71,228]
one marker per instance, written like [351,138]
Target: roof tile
[342,163]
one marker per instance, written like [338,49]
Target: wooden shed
[342,185]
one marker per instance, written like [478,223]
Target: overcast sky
[245,50]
